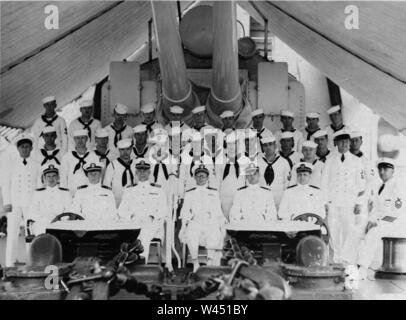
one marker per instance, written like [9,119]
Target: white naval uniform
[371,173]
[140,154]
[325,157]
[253,205]
[330,134]
[307,135]
[299,199]
[183,127]
[145,205]
[203,222]
[95,202]
[77,125]
[297,138]
[343,184]
[293,158]
[115,136]
[389,203]
[61,132]
[118,176]
[72,174]
[20,181]
[217,160]
[152,126]
[315,178]
[105,158]
[163,173]
[46,204]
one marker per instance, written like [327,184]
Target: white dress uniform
[116,135]
[20,181]
[370,172]
[163,173]
[297,138]
[118,176]
[91,126]
[253,205]
[388,210]
[95,202]
[330,134]
[315,179]
[325,157]
[343,183]
[72,174]
[146,206]
[46,204]
[299,199]
[61,132]
[105,159]
[202,221]
[293,158]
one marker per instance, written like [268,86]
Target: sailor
[118,129]
[213,148]
[337,124]
[387,217]
[252,146]
[94,201]
[120,172]
[288,148]
[302,197]
[355,149]
[141,148]
[199,117]
[49,201]
[148,113]
[71,171]
[22,177]
[228,120]
[176,113]
[274,170]
[102,150]
[202,219]
[309,156]
[50,151]
[323,152]
[312,121]
[86,122]
[258,117]
[253,204]
[343,182]
[145,205]
[287,118]
[175,159]
[50,119]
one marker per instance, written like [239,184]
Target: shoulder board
[313,186]
[242,188]
[106,187]
[292,186]
[131,186]
[155,185]
[40,189]
[210,188]
[82,187]
[191,189]
[265,188]
[63,189]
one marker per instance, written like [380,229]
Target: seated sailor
[253,204]
[94,201]
[48,202]
[302,197]
[387,216]
[202,219]
[145,205]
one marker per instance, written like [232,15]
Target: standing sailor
[49,152]
[287,118]
[102,152]
[337,124]
[322,152]
[148,112]
[141,148]
[355,149]
[50,119]
[228,120]
[258,117]
[176,113]
[312,120]
[199,117]
[288,148]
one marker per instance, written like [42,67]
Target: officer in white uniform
[343,182]
[323,152]
[71,172]
[337,124]
[312,121]
[49,201]
[50,119]
[118,129]
[102,150]
[302,197]
[120,173]
[86,122]
[176,113]
[253,204]
[202,219]
[288,148]
[141,147]
[93,201]
[258,117]
[228,120]
[148,112]
[22,177]
[387,217]
[50,151]
[287,118]
[145,205]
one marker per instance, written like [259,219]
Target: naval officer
[337,124]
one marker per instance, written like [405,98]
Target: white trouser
[148,232]
[226,204]
[14,220]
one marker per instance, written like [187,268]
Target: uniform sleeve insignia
[210,188]
[265,188]
[40,189]
[82,187]
[106,187]
[155,185]
[292,186]
[398,203]
[191,189]
[242,188]
[63,189]
[131,185]
[314,187]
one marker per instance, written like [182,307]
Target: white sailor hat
[257,112]
[121,108]
[200,168]
[199,109]
[287,113]
[140,128]
[48,168]
[287,135]
[250,134]
[319,133]
[334,109]
[385,163]
[268,139]
[143,165]
[49,129]
[356,134]
[48,99]
[341,135]
[304,167]
[23,137]
[251,168]
[124,143]
[147,108]
[86,103]
[196,136]
[309,144]
[313,115]
[101,133]
[91,167]
[176,109]
[80,133]
[227,114]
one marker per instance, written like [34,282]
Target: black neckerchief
[49,157]
[142,153]
[269,174]
[324,158]
[287,158]
[117,133]
[48,123]
[103,156]
[149,126]
[127,168]
[81,162]
[86,126]
[309,133]
[335,130]
[227,168]
[156,171]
